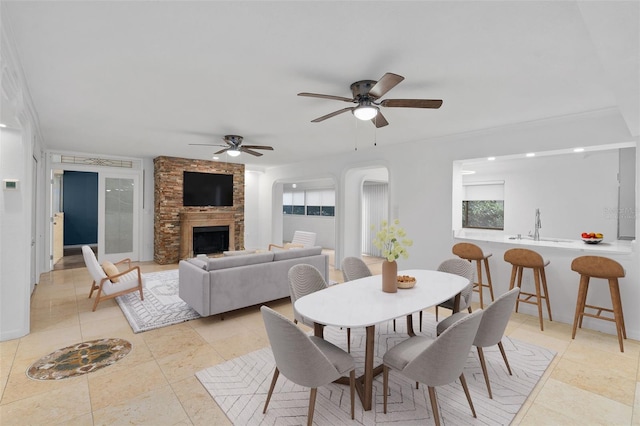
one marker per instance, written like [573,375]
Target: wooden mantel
[194,219]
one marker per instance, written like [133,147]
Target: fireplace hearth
[210,239]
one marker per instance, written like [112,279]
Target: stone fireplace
[174,223]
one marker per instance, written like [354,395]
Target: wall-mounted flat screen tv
[207,189]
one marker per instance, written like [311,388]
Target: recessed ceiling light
[531,154]
[294,185]
[215,157]
[491,158]
[578,149]
[3,125]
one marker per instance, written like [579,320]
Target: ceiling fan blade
[258,147]
[412,103]
[379,120]
[205,144]
[249,151]
[386,83]
[333,114]
[317,95]
[221,151]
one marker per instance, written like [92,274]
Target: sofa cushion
[294,253]
[200,263]
[234,261]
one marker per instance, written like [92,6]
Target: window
[293,203]
[317,202]
[484,214]
[483,205]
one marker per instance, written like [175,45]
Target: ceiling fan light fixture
[365,112]
[233,152]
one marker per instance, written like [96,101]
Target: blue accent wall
[80,206]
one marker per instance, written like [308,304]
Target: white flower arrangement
[392,240]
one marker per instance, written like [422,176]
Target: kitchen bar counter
[602,249]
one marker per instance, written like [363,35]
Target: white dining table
[361,303]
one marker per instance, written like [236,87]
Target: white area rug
[161,306]
[240,386]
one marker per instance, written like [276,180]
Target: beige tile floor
[589,381]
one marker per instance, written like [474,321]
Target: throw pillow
[110,269]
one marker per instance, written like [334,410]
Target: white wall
[15,253]
[20,152]
[323,226]
[575,193]
[420,182]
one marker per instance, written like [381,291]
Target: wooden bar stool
[524,258]
[472,252]
[608,269]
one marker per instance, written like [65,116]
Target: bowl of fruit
[592,237]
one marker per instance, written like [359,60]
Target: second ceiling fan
[366,93]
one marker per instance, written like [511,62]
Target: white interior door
[118,216]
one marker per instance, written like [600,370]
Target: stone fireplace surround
[169,214]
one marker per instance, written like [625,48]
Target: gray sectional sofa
[216,285]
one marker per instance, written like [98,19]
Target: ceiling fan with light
[366,93]
[234,146]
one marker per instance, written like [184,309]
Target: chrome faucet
[538,225]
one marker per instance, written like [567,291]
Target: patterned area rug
[240,386]
[161,306]
[81,358]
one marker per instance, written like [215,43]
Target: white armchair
[300,239]
[116,283]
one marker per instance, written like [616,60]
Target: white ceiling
[146,79]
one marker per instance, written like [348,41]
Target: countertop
[605,247]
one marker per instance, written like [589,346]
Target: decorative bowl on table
[406,281]
[592,237]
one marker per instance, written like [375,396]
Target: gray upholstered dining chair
[354,268]
[494,322]
[306,279]
[464,269]
[305,360]
[434,362]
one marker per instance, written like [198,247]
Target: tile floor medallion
[81,358]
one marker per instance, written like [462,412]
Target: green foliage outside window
[484,214]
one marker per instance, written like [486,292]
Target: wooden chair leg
[95,304]
[349,340]
[617,308]
[504,356]
[276,373]
[434,405]
[489,283]
[479,269]
[483,364]
[385,387]
[93,287]
[582,298]
[352,388]
[543,275]
[536,279]
[312,406]
[466,392]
